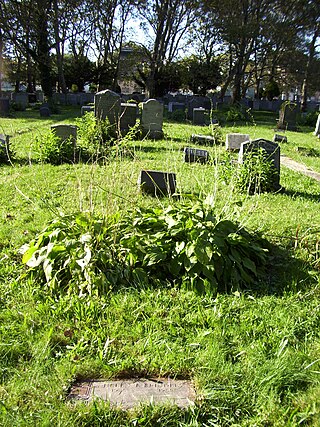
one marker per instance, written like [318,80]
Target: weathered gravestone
[152,119]
[199,117]
[86,109]
[202,139]
[288,116]
[107,105]
[271,153]
[174,106]
[4,148]
[44,110]
[64,132]
[128,116]
[129,393]
[39,96]
[4,107]
[20,99]
[279,138]
[234,140]
[157,183]
[192,155]
[197,102]
[317,129]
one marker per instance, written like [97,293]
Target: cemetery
[159,214]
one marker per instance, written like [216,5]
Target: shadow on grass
[303,195]
[151,149]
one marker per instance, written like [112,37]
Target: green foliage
[183,243]
[55,151]
[177,116]
[6,154]
[239,113]
[309,119]
[271,90]
[216,132]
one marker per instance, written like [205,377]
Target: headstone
[317,129]
[288,116]
[128,116]
[40,96]
[174,106]
[152,119]
[197,102]
[279,138]
[129,393]
[272,154]
[234,140]
[202,139]
[86,109]
[157,183]
[199,116]
[192,155]
[20,99]
[107,105]
[4,148]
[4,107]
[44,110]
[64,132]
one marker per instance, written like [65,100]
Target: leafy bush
[183,244]
[6,154]
[239,113]
[55,151]
[309,119]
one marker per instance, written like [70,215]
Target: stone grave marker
[192,155]
[157,183]
[39,96]
[279,138]
[20,99]
[288,116]
[107,105]
[4,147]
[129,393]
[152,119]
[272,154]
[234,140]
[128,116]
[317,129]
[199,116]
[86,109]
[174,106]
[202,139]
[44,110]
[4,107]
[64,132]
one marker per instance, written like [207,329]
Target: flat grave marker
[192,155]
[157,183]
[234,140]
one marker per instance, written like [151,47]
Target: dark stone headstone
[4,147]
[202,139]
[4,107]
[107,105]
[288,116]
[192,155]
[279,138]
[20,99]
[128,116]
[199,116]
[157,183]
[272,154]
[152,119]
[64,132]
[44,111]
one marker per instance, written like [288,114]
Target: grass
[253,356]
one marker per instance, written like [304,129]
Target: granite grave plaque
[234,140]
[157,183]
[192,155]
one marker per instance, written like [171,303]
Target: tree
[199,74]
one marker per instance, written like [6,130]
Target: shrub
[56,152]
[184,244]
[240,113]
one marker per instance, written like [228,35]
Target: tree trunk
[1,61]
[43,48]
[61,79]
[304,90]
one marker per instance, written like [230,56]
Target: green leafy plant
[182,244]
[56,151]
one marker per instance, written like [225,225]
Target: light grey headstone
[234,140]
[64,132]
[192,155]
[4,107]
[272,154]
[199,116]
[130,393]
[107,105]
[128,116]
[152,119]
[157,183]
[317,129]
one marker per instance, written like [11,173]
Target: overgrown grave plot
[252,356]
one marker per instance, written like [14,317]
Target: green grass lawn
[253,355]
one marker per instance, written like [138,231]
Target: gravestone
[288,116]
[197,102]
[157,183]
[202,139]
[234,140]
[64,132]
[4,107]
[86,109]
[199,116]
[272,154]
[72,99]
[317,129]
[279,138]
[174,106]
[44,110]
[107,105]
[129,393]
[192,155]
[128,116]
[20,99]
[152,119]
[39,96]
[4,148]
